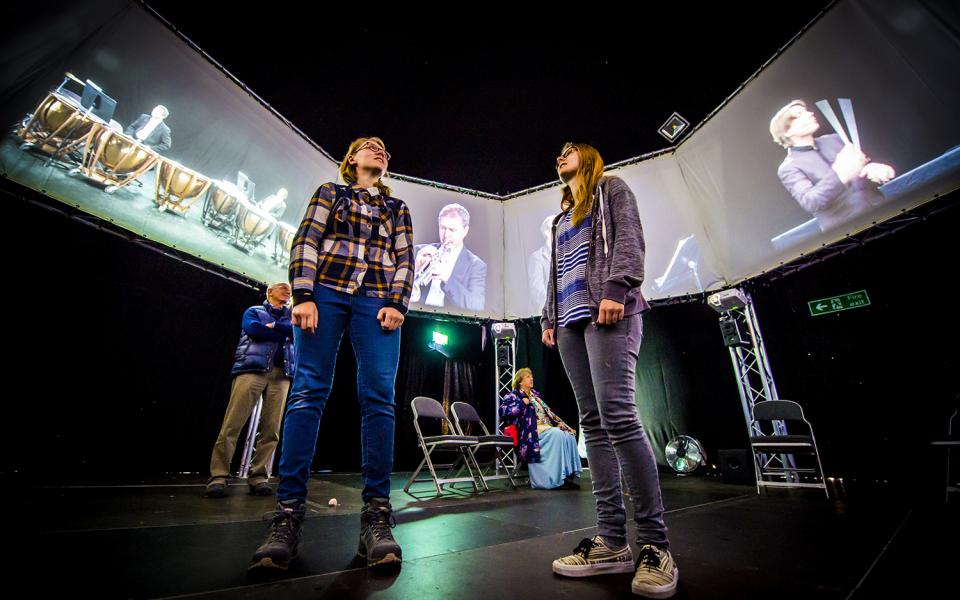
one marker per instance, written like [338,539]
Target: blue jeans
[377,352]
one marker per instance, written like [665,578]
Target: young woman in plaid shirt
[351,263]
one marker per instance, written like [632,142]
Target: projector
[503,331]
[727,300]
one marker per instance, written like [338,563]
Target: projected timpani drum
[221,204]
[116,159]
[282,242]
[178,187]
[56,126]
[252,226]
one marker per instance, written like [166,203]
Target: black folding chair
[949,441]
[766,447]
[463,415]
[428,408]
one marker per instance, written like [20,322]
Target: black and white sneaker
[593,557]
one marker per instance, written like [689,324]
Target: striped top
[573,246]
[364,247]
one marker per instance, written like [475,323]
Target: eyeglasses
[375,148]
[567,150]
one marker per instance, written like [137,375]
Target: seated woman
[546,443]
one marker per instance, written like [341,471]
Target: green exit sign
[826,306]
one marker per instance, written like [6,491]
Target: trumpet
[434,259]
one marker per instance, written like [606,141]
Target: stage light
[441,343]
[674,126]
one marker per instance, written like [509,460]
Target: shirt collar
[270,307]
[373,197]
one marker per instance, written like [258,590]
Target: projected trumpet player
[446,273]
[430,264]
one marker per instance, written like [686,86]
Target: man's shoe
[281,545]
[216,488]
[376,540]
[593,557]
[656,575]
[261,488]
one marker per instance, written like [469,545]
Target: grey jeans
[601,361]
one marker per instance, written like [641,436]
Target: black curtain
[122,354]
[685,381]
[549,376]
[461,372]
[685,384]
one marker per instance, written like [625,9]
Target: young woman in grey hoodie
[593,315]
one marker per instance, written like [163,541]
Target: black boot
[281,545]
[376,540]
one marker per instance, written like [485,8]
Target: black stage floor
[165,540]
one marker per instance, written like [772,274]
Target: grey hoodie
[615,262]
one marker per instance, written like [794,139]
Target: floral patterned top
[530,420]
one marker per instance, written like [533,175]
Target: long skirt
[559,459]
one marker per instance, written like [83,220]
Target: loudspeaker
[503,356]
[736,467]
[734,329]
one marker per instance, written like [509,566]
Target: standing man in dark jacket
[265,363]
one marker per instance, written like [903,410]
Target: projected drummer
[446,273]
[829,175]
[151,131]
[538,267]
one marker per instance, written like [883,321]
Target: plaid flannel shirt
[348,238]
